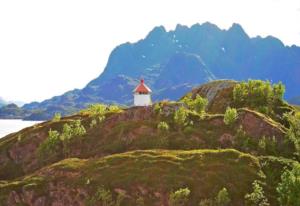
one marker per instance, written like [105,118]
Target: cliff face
[126,154]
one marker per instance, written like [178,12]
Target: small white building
[142,95]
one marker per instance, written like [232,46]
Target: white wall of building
[142,100]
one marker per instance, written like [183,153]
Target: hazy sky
[49,47]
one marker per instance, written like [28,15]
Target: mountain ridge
[182,58]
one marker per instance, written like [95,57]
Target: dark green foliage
[289,187]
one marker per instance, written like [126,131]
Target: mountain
[173,62]
[2,102]
[146,156]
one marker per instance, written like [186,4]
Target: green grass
[204,172]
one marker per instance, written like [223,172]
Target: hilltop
[195,149]
[173,62]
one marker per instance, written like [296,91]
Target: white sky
[50,47]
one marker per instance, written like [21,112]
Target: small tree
[289,187]
[49,148]
[230,116]
[163,126]
[222,198]
[257,197]
[180,116]
[200,104]
[56,117]
[179,197]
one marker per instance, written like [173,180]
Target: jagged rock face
[218,94]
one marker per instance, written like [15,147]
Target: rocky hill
[195,151]
[173,62]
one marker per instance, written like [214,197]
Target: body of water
[10,126]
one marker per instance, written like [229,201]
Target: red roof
[142,88]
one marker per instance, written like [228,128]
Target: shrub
[257,94]
[293,133]
[179,197]
[180,116]
[230,116]
[163,126]
[198,104]
[93,123]
[157,108]
[222,198]
[262,144]
[206,202]
[140,201]
[114,109]
[51,145]
[48,149]
[257,197]
[289,187]
[56,117]
[103,196]
[97,110]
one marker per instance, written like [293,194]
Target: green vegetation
[198,104]
[223,198]
[180,116]
[289,187]
[257,197]
[50,149]
[202,174]
[230,116]
[293,133]
[179,197]
[56,117]
[259,95]
[163,126]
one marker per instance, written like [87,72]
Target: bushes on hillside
[52,145]
[223,198]
[198,104]
[230,116]
[163,126]
[289,188]
[293,133]
[259,95]
[257,197]
[180,116]
[49,148]
[179,197]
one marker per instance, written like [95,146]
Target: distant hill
[2,102]
[172,62]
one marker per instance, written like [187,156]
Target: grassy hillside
[149,154]
[150,174]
